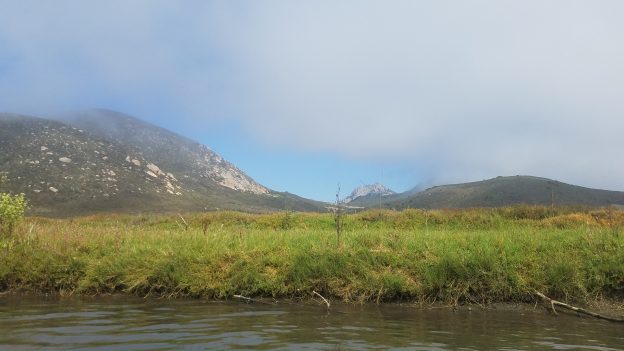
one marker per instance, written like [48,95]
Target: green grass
[475,256]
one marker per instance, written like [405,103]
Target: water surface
[121,323]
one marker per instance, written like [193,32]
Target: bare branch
[321,296]
[183,221]
[554,303]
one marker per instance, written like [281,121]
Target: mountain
[367,194]
[101,160]
[506,191]
[105,161]
[196,163]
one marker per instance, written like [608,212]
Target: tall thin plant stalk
[338,216]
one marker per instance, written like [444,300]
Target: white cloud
[467,88]
[461,89]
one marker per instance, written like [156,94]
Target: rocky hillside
[111,162]
[194,162]
[505,191]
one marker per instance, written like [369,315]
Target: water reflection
[115,323]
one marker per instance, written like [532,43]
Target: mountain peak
[376,189]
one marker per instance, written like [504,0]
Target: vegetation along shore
[435,256]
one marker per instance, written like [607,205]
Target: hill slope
[505,191]
[66,170]
[194,162]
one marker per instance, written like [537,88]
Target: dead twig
[249,299]
[205,226]
[379,294]
[324,299]
[579,310]
[183,221]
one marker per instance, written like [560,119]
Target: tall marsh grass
[447,256]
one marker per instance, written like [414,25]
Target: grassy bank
[495,255]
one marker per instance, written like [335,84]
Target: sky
[306,95]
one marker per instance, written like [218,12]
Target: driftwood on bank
[554,303]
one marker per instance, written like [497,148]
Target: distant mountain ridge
[505,191]
[105,161]
[102,160]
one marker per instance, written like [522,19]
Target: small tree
[338,216]
[12,208]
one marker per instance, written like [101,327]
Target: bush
[12,209]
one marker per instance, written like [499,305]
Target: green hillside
[506,191]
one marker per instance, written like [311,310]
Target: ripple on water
[101,324]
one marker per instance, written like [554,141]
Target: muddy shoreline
[612,307]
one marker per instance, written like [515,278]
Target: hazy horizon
[305,95]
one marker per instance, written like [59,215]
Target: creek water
[122,323]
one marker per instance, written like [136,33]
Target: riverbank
[426,257]
[613,307]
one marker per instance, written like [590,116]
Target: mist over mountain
[194,161]
[100,160]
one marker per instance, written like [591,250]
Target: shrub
[12,209]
